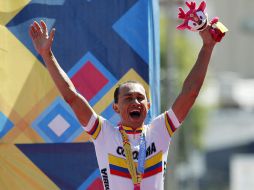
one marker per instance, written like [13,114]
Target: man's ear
[148,105]
[115,107]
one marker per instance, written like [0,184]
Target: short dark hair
[116,92]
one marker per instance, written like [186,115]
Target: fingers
[44,27]
[39,35]
[51,35]
[32,32]
[37,26]
[35,30]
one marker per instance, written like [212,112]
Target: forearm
[195,79]
[193,83]
[62,81]
[43,43]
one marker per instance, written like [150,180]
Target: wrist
[47,54]
[209,46]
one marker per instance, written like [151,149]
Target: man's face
[132,105]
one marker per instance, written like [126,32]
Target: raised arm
[195,78]
[42,43]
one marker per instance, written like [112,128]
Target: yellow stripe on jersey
[170,128]
[153,160]
[94,132]
[117,161]
[121,162]
[98,129]
[130,129]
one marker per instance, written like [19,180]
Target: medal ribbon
[142,154]
[135,176]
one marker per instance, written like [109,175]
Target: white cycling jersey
[110,152]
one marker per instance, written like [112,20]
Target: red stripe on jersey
[119,173]
[92,131]
[170,123]
[153,172]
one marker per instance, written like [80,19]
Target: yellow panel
[9,8]
[84,137]
[41,106]
[108,98]
[28,136]
[18,172]
[23,138]
[24,80]
[7,110]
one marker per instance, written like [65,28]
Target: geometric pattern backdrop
[99,44]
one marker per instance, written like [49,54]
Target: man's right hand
[42,43]
[207,37]
[41,40]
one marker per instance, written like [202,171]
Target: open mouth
[203,26]
[135,114]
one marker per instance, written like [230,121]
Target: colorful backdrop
[99,43]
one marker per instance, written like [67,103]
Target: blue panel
[68,165]
[130,25]
[83,26]
[49,2]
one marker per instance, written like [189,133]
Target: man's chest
[116,148]
[154,158]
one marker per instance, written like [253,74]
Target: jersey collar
[129,130]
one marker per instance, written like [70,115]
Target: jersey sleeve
[164,126]
[99,129]
[94,126]
[171,122]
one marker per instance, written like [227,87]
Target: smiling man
[131,155]
[130,102]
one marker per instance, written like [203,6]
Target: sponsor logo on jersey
[149,151]
[104,175]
